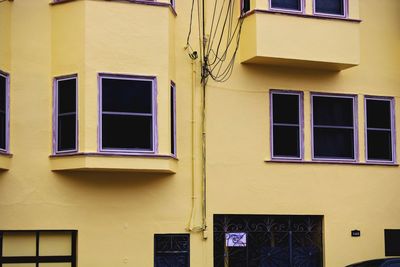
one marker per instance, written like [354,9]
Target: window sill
[5,161]
[142,2]
[390,164]
[301,14]
[113,162]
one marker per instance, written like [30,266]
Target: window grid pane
[333,127]
[286,4]
[332,7]
[66,115]
[286,127]
[21,248]
[3,112]
[127,114]
[379,129]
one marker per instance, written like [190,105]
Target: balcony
[303,41]
[88,41]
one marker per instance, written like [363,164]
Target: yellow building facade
[112,155]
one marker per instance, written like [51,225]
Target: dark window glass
[286,125]
[127,114]
[286,141]
[67,132]
[3,122]
[333,7]
[3,85]
[333,111]
[333,127]
[66,96]
[127,132]
[171,250]
[285,108]
[392,242]
[379,129]
[3,112]
[333,143]
[127,95]
[66,115]
[286,4]
[246,6]
[173,128]
[378,114]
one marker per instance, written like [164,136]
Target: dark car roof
[377,263]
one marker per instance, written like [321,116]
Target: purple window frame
[7,105]
[154,131]
[55,114]
[345,10]
[300,94]
[173,112]
[301,11]
[392,128]
[355,127]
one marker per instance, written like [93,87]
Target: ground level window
[286,124]
[171,250]
[392,242]
[379,129]
[127,116]
[334,127]
[4,82]
[38,248]
[330,7]
[268,240]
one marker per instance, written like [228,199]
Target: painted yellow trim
[97,162]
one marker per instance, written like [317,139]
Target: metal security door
[267,241]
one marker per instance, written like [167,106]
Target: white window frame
[345,10]
[56,114]
[154,131]
[6,149]
[355,127]
[392,128]
[301,123]
[301,11]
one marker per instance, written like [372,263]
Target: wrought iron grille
[37,259]
[171,250]
[268,241]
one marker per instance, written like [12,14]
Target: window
[330,7]
[173,118]
[4,111]
[65,113]
[290,5]
[286,124]
[392,242]
[334,127]
[127,120]
[245,6]
[379,129]
[171,250]
[268,240]
[38,248]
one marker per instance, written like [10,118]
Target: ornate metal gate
[267,241]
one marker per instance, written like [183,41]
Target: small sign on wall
[355,233]
[236,239]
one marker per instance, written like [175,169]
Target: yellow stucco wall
[117,213]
